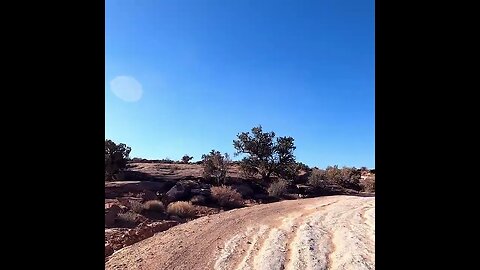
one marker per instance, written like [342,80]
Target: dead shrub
[227,196]
[136,206]
[368,184]
[318,178]
[182,209]
[346,177]
[128,219]
[278,188]
[154,205]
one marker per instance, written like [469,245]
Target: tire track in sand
[311,242]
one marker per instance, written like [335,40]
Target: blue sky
[184,77]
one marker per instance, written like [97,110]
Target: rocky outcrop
[201,191]
[148,195]
[120,237]
[161,226]
[120,188]
[176,193]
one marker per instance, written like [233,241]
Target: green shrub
[186,159]
[266,155]
[347,177]
[215,166]
[116,158]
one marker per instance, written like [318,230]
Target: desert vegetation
[265,154]
[215,166]
[116,157]
[182,209]
[186,159]
[163,193]
[154,205]
[227,196]
[368,184]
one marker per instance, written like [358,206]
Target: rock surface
[334,232]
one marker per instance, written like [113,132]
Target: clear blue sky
[184,77]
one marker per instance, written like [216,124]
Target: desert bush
[186,159]
[278,188]
[302,166]
[318,178]
[227,196]
[346,177]
[181,209]
[198,199]
[166,161]
[351,178]
[128,219]
[137,160]
[266,156]
[137,207]
[368,184]
[215,165]
[333,174]
[154,205]
[116,158]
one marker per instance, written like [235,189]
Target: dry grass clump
[154,205]
[227,196]
[182,209]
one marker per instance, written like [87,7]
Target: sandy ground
[335,232]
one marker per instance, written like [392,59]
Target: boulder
[206,192]
[176,193]
[161,226]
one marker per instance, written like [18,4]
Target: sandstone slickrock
[332,232]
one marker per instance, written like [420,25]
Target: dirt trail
[335,232]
